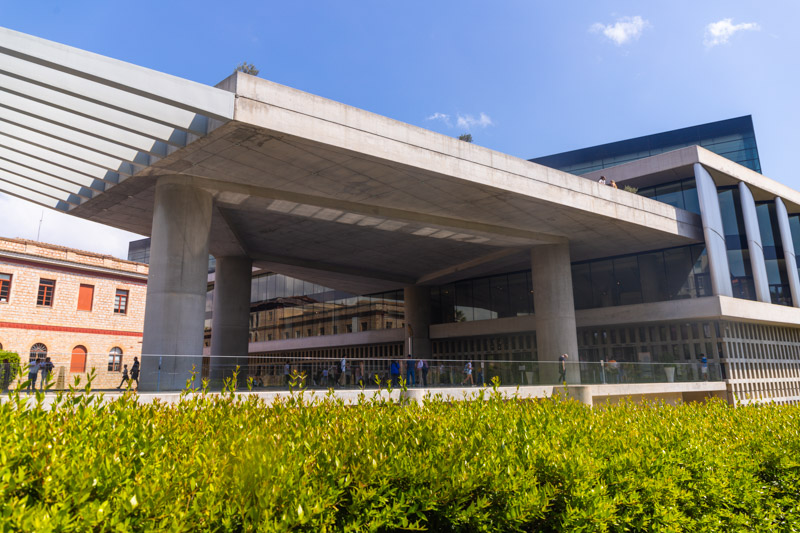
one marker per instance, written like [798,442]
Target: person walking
[286,372]
[343,372]
[47,371]
[125,378]
[33,373]
[394,373]
[468,374]
[422,368]
[135,372]
[704,366]
[410,375]
[562,368]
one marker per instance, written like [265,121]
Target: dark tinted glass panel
[690,201]
[670,193]
[627,283]
[464,310]
[582,285]
[501,303]
[602,283]
[481,299]
[680,275]
[653,276]
[519,294]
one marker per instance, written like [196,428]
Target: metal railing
[171,373]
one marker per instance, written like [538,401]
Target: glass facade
[682,194]
[736,242]
[501,296]
[734,139]
[671,274]
[794,226]
[773,254]
[282,307]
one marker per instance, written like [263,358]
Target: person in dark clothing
[562,367]
[47,371]
[125,377]
[135,372]
[394,373]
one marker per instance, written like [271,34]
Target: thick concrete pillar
[754,245]
[788,250]
[713,231]
[230,322]
[554,308]
[176,285]
[417,306]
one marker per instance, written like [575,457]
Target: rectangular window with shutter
[85,297]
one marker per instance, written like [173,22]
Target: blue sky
[527,78]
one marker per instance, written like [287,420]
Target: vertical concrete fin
[713,231]
[788,250]
[754,245]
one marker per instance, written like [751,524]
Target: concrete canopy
[303,185]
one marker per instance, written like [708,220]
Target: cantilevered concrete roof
[303,185]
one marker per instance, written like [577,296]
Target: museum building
[336,231]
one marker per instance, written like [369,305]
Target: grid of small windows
[121,302]
[5,287]
[47,288]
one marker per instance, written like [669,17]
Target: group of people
[602,181]
[134,375]
[41,365]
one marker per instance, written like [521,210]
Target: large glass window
[681,194]
[736,243]
[773,254]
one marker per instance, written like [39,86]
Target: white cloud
[20,219]
[441,116]
[625,29]
[468,121]
[721,31]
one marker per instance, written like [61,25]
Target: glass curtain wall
[736,242]
[682,194]
[282,307]
[778,280]
[486,298]
[671,274]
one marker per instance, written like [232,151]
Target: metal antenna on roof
[40,225]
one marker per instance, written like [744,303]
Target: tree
[466,137]
[247,68]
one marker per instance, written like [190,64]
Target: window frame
[43,293]
[115,359]
[121,301]
[5,287]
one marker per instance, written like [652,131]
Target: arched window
[115,359]
[78,361]
[38,350]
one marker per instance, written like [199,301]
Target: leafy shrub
[6,376]
[233,463]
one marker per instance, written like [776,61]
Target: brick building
[83,310]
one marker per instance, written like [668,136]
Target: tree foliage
[466,137]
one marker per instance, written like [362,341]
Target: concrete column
[554,308]
[753,232]
[230,322]
[713,231]
[788,250]
[417,308]
[176,286]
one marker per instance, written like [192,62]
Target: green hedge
[6,376]
[232,463]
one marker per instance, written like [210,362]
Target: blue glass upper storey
[733,138]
